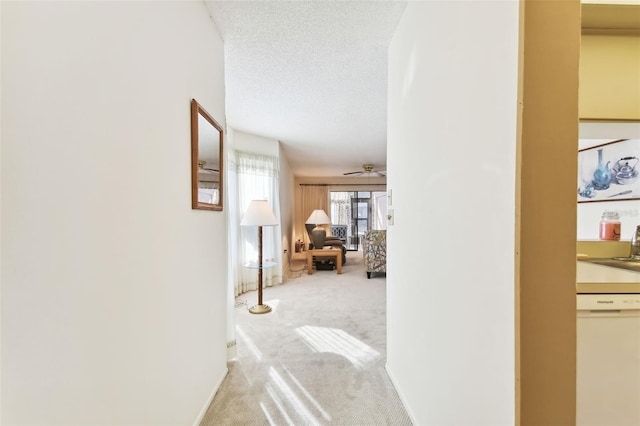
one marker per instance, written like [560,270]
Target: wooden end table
[337,253]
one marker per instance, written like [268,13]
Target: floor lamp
[259,214]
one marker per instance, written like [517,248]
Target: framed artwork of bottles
[609,171]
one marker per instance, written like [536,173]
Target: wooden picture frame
[207,171]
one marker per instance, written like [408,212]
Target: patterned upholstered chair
[374,250]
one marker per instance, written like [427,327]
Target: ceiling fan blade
[352,173]
[205,170]
[382,173]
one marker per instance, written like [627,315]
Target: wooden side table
[337,253]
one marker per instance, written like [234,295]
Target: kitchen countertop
[594,278]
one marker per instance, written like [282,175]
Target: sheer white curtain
[253,177]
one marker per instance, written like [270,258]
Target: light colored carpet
[318,358]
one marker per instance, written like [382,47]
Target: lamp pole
[260,308]
[259,214]
[260,265]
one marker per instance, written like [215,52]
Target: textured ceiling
[311,74]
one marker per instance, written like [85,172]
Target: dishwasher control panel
[590,302]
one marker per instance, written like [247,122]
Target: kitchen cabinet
[609,62]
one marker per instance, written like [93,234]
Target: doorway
[357,212]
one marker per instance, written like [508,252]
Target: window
[359,211]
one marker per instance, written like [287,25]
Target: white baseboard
[204,409]
[232,350]
[402,398]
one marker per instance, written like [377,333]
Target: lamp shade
[259,213]
[319,217]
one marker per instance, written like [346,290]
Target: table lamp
[259,214]
[318,234]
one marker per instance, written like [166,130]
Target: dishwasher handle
[604,312]
[608,313]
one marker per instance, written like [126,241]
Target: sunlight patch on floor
[279,405]
[307,395]
[323,339]
[291,397]
[286,405]
[267,414]
[249,342]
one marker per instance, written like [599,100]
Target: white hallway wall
[113,288]
[452,123]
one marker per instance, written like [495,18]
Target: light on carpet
[297,405]
[249,342]
[323,339]
[279,404]
[306,393]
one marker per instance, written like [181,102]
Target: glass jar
[610,226]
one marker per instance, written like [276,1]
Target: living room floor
[317,358]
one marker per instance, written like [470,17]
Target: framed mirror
[206,160]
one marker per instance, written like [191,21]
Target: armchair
[340,232]
[374,251]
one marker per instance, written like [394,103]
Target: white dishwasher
[608,360]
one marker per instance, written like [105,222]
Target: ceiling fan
[203,169]
[367,170]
